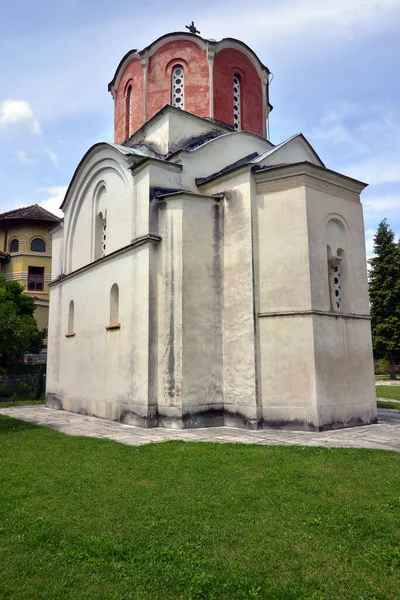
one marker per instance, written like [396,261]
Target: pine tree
[384,292]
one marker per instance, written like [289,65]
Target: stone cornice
[312,175]
[186,195]
[139,241]
[311,313]
[159,162]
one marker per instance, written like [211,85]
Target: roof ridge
[28,212]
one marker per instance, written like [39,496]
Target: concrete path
[388,400]
[384,436]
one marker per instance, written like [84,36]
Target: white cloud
[18,112]
[22,157]
[365,140]
[304,21]
[53,157]
[55,196]
[383,204]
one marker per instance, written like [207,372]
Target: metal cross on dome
[192,28]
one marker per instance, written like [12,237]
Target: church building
[203,276]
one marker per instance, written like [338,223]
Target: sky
[335,65]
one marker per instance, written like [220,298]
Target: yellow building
[25,253]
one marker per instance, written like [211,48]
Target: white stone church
[203,276]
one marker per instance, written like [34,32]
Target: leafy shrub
[5,390]
[383,366]
[24,388]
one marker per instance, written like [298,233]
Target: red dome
[224,81]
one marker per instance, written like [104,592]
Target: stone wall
[14,381]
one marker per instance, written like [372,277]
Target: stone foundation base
[213,415]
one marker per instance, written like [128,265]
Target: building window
[38,245]
[14,246]
[236,102]
[334,284]
[114,305]
[71,315]
[129,109]
[35,278]
[178,86]
[104,238]
[337,266]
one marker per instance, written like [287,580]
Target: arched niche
[71,318]
[114,305]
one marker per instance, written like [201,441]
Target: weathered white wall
[169,312]
[283,270]
[239,351]
[344,374]
[287,374]
[288,395]
[99,371]
[202,250]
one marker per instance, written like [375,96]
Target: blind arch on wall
[71,317]
[114,305]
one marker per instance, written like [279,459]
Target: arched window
[128,112]
[14,245]
[104,238]
[336,238]
[100,236]
[71,311]
[236,103]
[178,86]
[335,289]
[38,245]
[114,305]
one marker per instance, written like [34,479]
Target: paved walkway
[385,435]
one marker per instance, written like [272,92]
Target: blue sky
[336,66]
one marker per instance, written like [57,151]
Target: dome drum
[209,73]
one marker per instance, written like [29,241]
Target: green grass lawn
[384,404]
[84,518]
[388,391]
[21,400]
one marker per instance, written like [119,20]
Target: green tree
[19,332]
[384,292]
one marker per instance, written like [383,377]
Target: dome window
[236,102]
[178,86]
